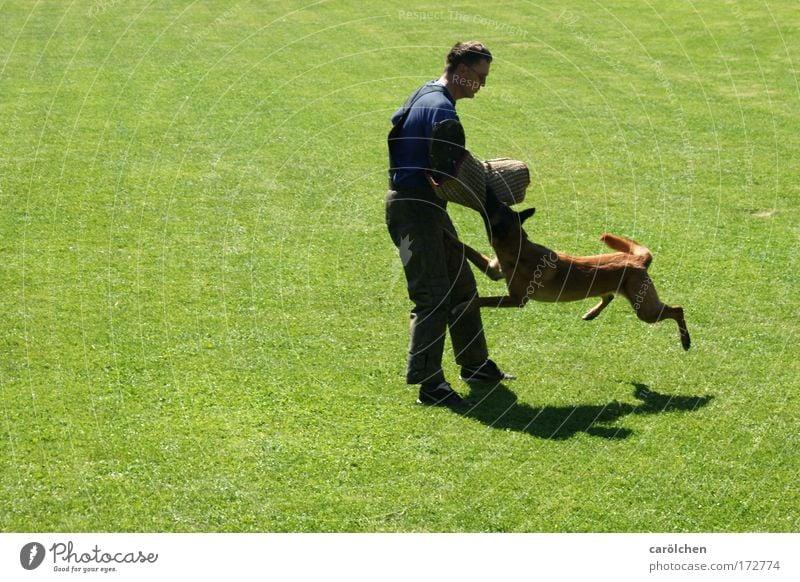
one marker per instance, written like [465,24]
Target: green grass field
[204,321]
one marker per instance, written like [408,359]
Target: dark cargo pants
[438,278]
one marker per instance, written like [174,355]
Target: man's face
[470,78]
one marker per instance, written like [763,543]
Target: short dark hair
[469,53]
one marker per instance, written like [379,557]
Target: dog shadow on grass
[498,407]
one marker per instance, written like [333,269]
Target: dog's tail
[626,245]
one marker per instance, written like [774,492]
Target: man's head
[466,68]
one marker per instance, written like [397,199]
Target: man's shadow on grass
[497,406]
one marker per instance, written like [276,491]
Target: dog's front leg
[595,311]
[478,302]
[491,267]
[505,301]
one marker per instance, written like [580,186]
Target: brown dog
[533,271]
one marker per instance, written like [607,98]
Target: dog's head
[502,223]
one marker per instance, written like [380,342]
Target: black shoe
[441,395]
[486,372]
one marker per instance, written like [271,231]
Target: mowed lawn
[204,321]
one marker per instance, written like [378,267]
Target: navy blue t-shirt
[410,159]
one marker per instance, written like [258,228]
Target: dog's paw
[493,271]
[686,341]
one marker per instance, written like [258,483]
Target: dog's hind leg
[595,311]
[669,312]
[650,309]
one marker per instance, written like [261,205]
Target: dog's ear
[526,214]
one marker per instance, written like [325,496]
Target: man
[436,272]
